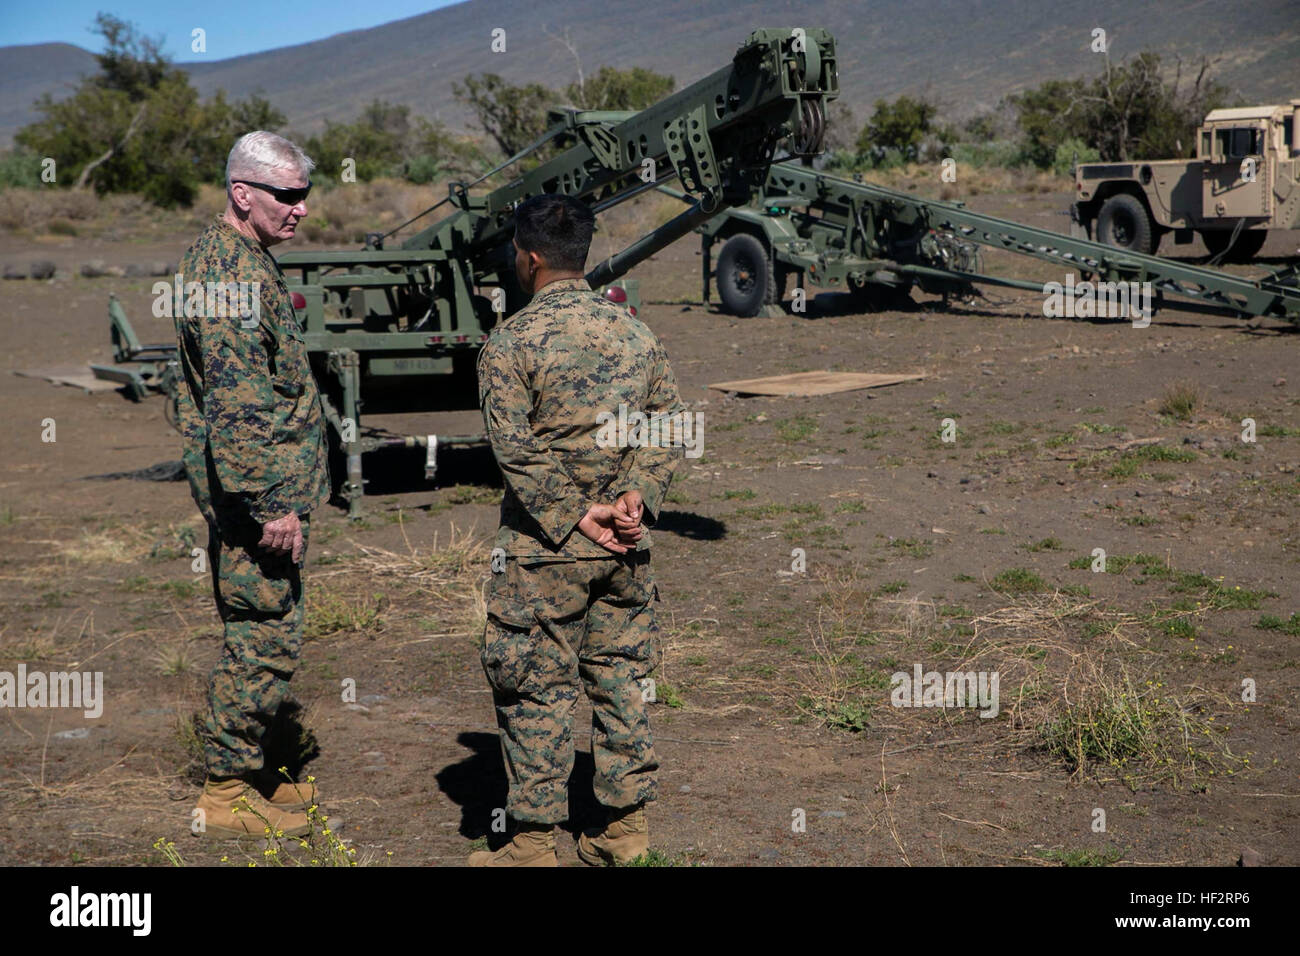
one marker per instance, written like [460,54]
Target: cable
[546,137]
[1232,241]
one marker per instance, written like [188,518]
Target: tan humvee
[1244,180]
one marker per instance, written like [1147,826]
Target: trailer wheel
[1247,246]
[1125,223]
[746,279]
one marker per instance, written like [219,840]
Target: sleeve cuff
[564,518]
[267,507]
[651,501]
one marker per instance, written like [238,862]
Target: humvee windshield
[1239,142]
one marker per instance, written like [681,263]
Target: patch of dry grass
[112,545]
[443,581]
[828,687]
[1106,720]
[1077,679]
[923,179]
[462,554]
[1181,400]
[36,208]
[328,612]
[27,649]
[112,542]
[174,660]
[345,213]
[72,212]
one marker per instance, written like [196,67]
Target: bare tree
[566,41]
[114,147]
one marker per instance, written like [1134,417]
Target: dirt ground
[774,724]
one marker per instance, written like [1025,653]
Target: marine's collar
[562,285]
[230,230]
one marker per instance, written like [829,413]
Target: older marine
[256,457]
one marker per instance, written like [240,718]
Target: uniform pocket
[622,632]
[253,581]
[291,364]
[640,588]
[509,646]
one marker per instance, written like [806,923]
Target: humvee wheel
[1247,246]
[1125,224]
[745,276]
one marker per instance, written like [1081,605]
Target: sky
[232,27]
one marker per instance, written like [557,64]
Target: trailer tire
[746,279]
[1244,249]
[1125,224]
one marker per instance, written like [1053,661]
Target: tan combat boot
[283,793]
[294,796]
[228,811]
[533,845]
[626,836]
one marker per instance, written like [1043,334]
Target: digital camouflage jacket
[249,410]
[545,377]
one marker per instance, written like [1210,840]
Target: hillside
[966,53]
[28,71]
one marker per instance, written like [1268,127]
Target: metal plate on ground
[71,375]
[813,383]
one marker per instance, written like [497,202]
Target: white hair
[257,153]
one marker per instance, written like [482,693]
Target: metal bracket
[603,144]
[690,150]
[431,458]
[458,195]
[130,378]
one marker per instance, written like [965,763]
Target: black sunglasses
[288,196]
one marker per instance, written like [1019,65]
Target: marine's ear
[242,196]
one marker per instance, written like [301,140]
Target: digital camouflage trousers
[555,629]
[259,599]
